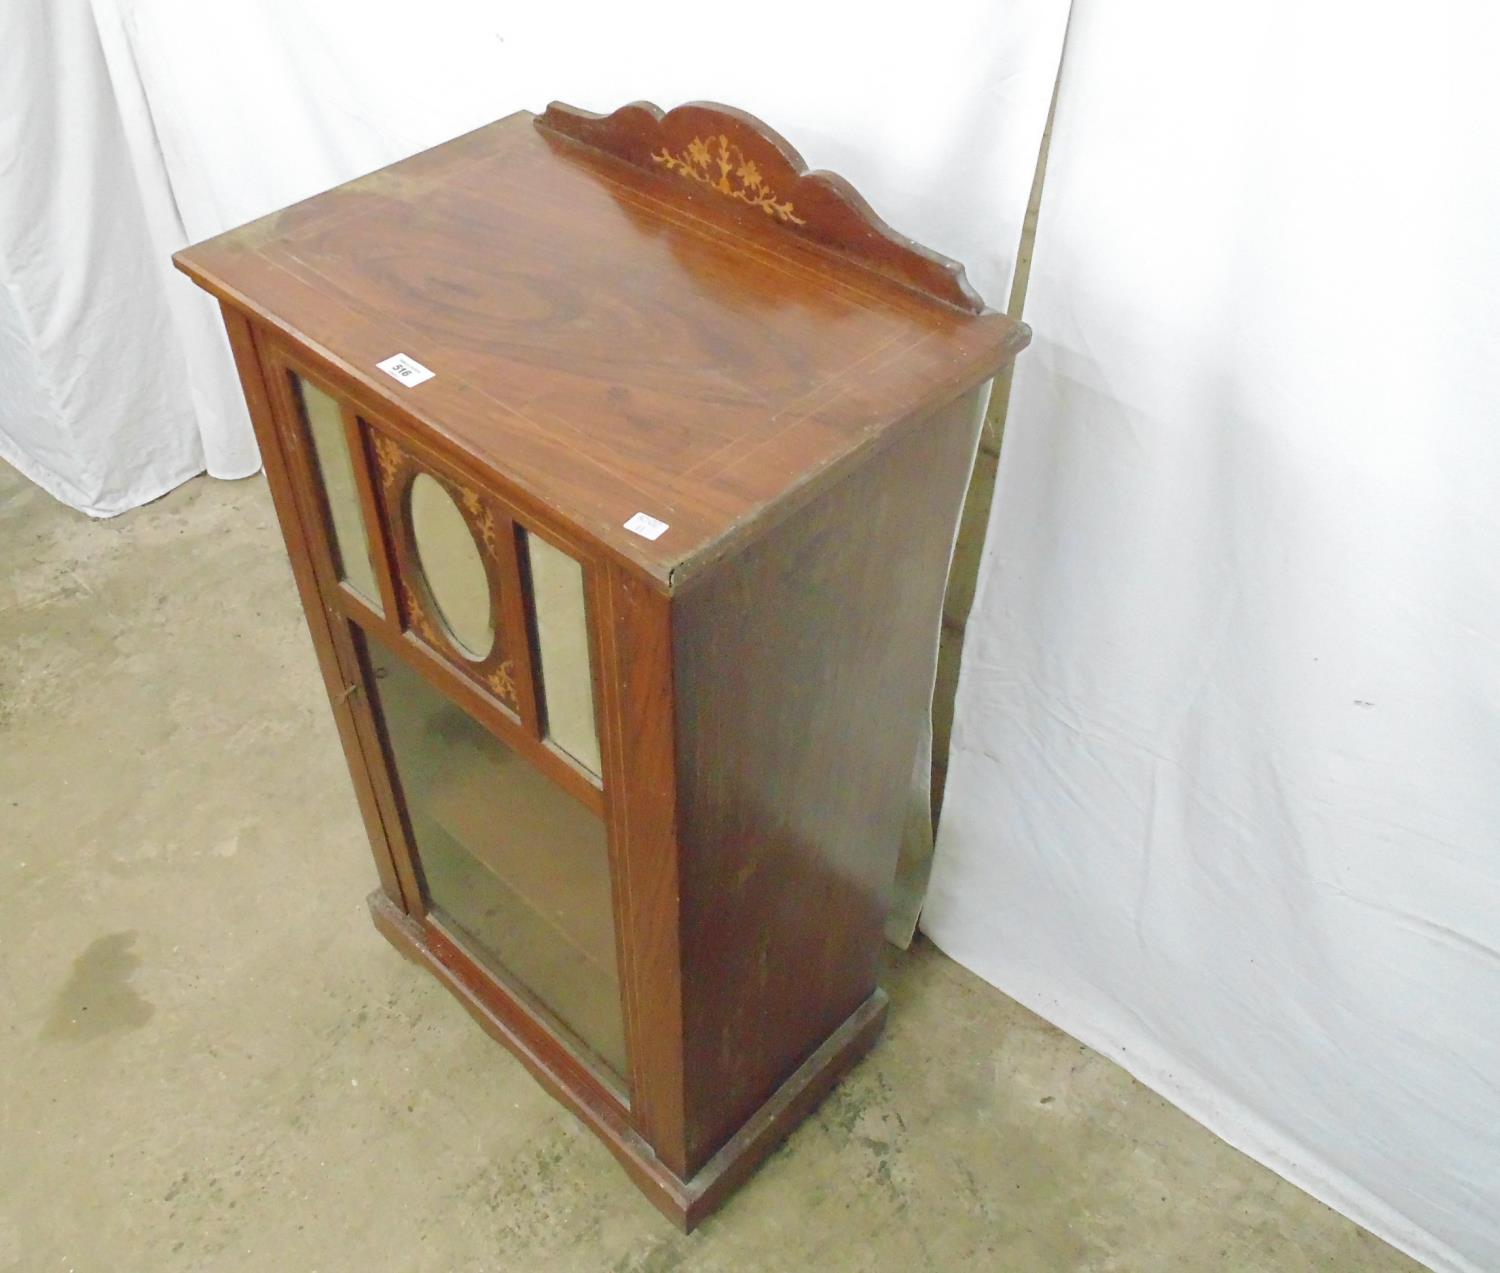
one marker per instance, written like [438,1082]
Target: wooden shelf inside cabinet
[618,459]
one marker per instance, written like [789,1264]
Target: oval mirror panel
[452,567]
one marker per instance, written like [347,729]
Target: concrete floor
[210,1061]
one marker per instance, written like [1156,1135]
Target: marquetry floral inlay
[482,514]
[502,680]
[719,163]
[388,456]
[417,616]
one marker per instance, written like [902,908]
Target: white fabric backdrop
[210,387]
[1224,797]
[90,358]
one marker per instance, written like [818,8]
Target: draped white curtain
[1224,795]
[92,357]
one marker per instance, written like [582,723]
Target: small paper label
[407,370]
[646,526]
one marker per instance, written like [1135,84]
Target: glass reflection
[517,868]
[562,633]
[351,543]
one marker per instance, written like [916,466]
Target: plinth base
[684,1202]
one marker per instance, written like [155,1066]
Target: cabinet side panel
[634,623]
[803,672]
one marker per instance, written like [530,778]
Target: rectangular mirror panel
[518,869]
[566,691]
[336,471]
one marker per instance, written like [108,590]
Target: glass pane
[511,862]
[562,636]
[336,468]
[452,566]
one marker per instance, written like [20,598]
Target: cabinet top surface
[612,340]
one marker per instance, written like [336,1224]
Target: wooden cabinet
[619,460]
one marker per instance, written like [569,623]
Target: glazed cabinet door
[470,632]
